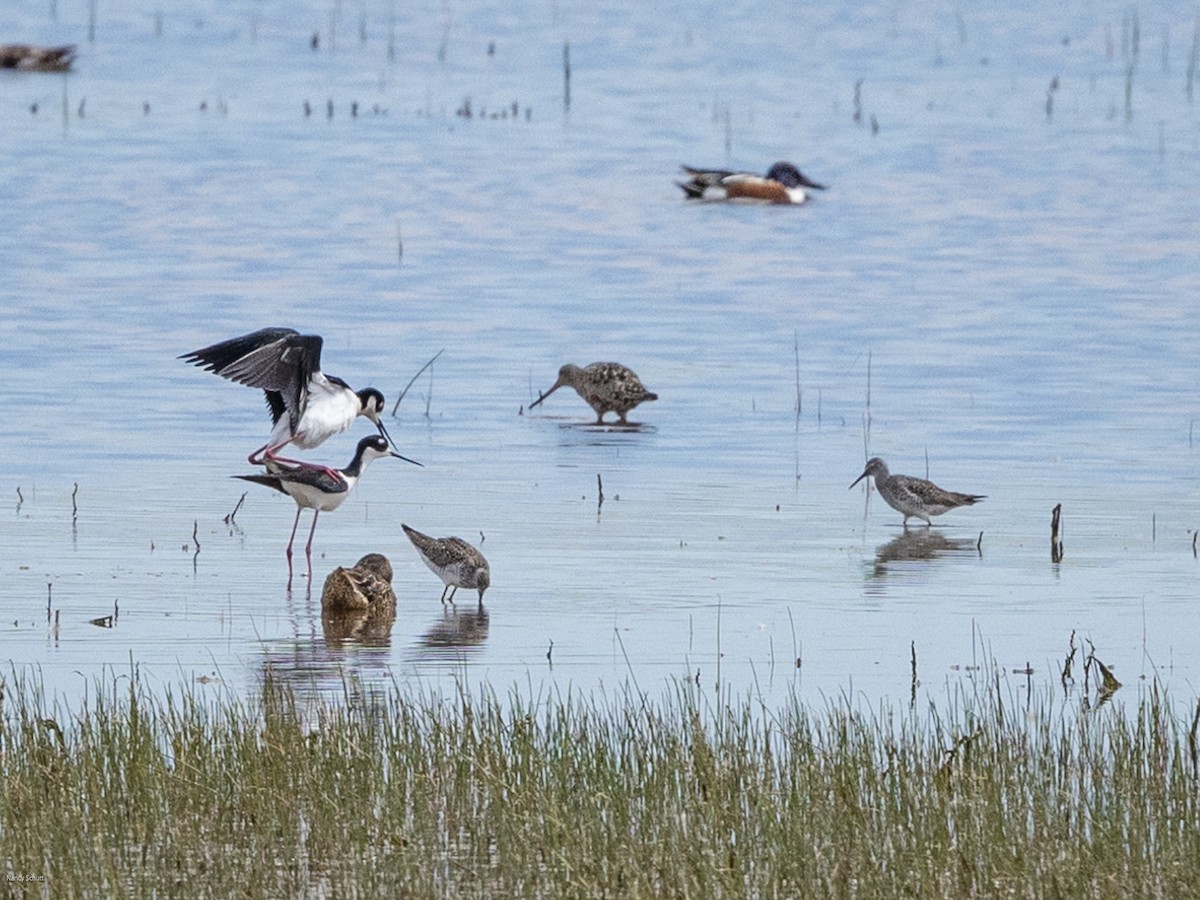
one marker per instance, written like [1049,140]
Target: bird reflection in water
[919,545]
[456,631]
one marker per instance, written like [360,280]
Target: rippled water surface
[1000,290]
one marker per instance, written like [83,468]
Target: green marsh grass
[178,792]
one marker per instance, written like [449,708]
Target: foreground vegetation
[141,793]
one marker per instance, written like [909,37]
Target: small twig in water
[566,74]
[229,519]
[913,696]
[195,539]
[414,378]
[599,492]
[74,504]
[1056,544]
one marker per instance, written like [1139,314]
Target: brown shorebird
[606,386]
[454,561]
[366,584]
[784,183]
[31,58]
[914,497]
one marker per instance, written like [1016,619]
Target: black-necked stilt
[605,386]
[307,406]
[319,488]
[454,561]
[911,496]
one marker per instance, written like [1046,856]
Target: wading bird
[307,406]
[320,488]
[605,386]
[914,497]
[454,561]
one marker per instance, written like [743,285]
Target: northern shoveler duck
[784,183]
[605,386]
[454,561]
[30,58]
[914,497]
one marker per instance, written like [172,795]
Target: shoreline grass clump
[694,795]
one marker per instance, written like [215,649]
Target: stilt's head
[372,448]
[876,467]
[371,404]
[568,374]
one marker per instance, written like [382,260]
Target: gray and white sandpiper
[454,561]
[605,386]
[911,496]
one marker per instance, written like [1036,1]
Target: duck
[783,183]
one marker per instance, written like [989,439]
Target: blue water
[998,297]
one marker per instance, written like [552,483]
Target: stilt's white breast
[330,410]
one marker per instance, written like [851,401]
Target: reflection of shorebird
[458,629]
[366,584]
[784,183]
[319,488]
[605,386]
[31,58]
[914,497]
[918,545]
[454,561]
[307,406]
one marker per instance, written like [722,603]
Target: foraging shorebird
[605,386]
[454,561]
[784,183]
[319,488]
[366,584]
[307,406]
[31,58]
[914,497]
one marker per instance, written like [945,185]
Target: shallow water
[1002,299]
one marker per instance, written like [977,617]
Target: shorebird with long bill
[307,406]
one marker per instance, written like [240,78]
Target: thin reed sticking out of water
[396,405]
[1056,544]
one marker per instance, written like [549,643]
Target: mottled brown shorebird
[914,497]
[366,584]
[606,386]
[31,58]
[454,561]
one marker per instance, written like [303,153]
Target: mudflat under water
[999,290]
